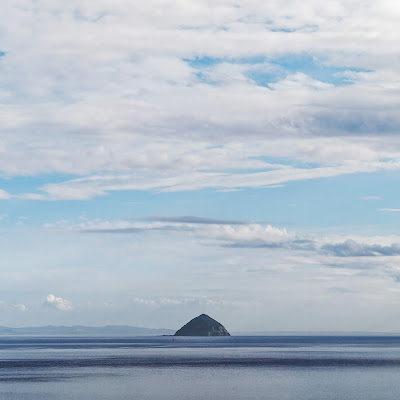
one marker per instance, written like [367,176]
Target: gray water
[150,368]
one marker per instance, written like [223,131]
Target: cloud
[114,230]
[298,244]
[58,303]
[247,233]
[100,185]
[4,195]
[238,87]
[340,290]
[20,307]
[196,220]
[351,248]
[371,198]
[389,209]
[183,301]
[122,227]
[236,234]
[223,232]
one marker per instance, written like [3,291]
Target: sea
[166,367]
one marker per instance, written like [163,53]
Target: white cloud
[229,231]
[58,302]
[99,96]
[183,301]
[100,185]
[389,209]
[6,306]
[4,195]
[249,235]
[351,248]
[371,198]
[20,307]
[143,108]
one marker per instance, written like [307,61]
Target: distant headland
[203,325]
[84,330]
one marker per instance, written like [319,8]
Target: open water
[153,368]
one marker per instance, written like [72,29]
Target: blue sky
[166,159]
[264,71]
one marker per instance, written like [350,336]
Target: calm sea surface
[149,368]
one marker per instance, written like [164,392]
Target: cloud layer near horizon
[245,234]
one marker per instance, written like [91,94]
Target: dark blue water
[149,368]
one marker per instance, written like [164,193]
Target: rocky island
[203,325]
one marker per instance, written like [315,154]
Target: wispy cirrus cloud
[100,185]
[371,197]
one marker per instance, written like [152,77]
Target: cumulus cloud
[58,303]
[248,234]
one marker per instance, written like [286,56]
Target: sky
[163,159]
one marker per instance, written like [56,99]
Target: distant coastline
[85,330]
[141,331]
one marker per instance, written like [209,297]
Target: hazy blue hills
[84,330]
[140,331]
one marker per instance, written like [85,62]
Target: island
[203,325]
